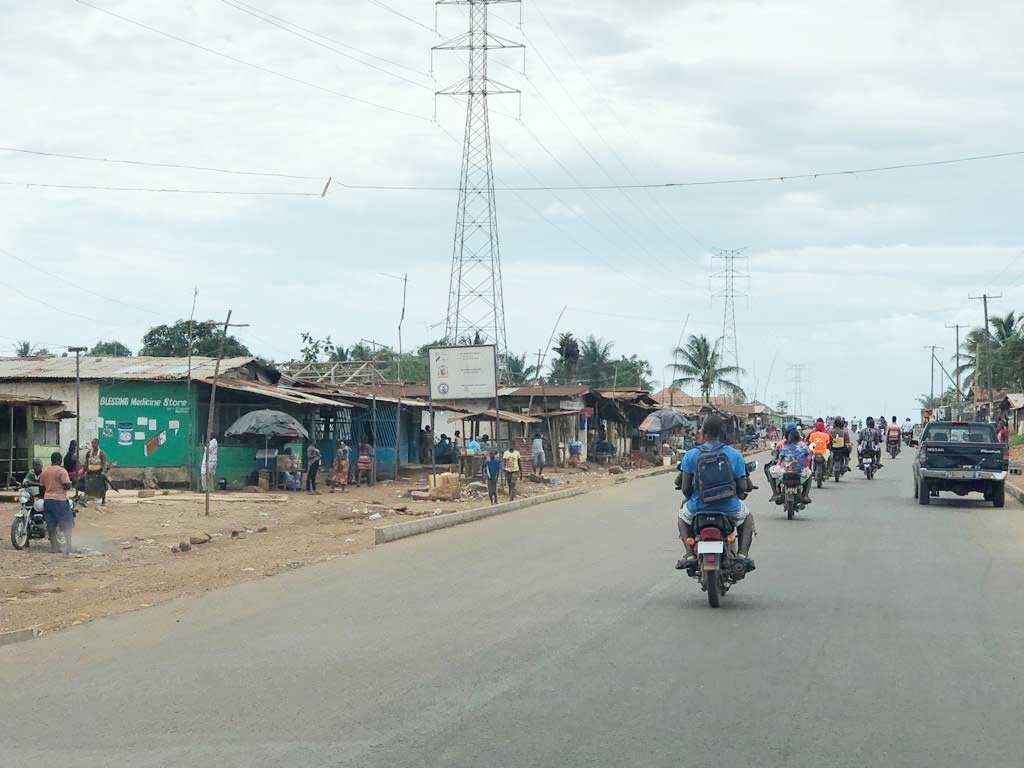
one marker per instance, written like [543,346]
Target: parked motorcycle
[30,520]
[715,540]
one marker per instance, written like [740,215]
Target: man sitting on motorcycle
[32,476]
[869,443]
[794,456]
[908,430]
[732,505]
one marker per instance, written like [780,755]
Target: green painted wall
[145,424]
[234,464]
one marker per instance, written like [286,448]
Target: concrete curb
[388,533]
[19,635]
[398,531]
[1015,491]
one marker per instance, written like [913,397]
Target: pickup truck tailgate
[983,456]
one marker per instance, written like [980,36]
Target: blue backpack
[713,478]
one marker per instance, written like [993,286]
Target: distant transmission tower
[798,389]
[730,280]
[476,306]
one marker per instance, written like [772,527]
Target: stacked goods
[446,485]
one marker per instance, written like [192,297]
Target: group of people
[55,483]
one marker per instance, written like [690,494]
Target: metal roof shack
[545,390]
[28,400]
[129,368]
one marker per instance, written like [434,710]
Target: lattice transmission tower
[476,305]
[797,406]
[731,284]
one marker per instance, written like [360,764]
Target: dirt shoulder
[126,558]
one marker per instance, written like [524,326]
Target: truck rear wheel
[999,495]
[924,497]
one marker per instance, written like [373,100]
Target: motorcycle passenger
[793,454]
[731,504]
[820,440]
[892,434]
[841,442]
[869,444]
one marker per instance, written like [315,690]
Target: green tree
[595,367]
[519,372]
[110,349]
[702,365]
[632,372]
[782,407]
[174,341]
[312,348]
[563,367]
[998,352]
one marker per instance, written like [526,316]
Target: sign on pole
[463,373]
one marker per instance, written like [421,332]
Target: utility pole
[78,401]
[476,305]
[988,336]
[209,414]
[933,348]
[728,275]
[957,326]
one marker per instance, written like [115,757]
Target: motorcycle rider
[32,476]
[869,443]
[908,429]
[733,506]
[820,440]
[892,434]
[792,452]
[841,441]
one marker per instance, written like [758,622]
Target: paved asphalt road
[874,633]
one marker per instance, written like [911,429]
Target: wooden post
[209,415]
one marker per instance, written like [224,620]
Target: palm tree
[518,371]
[702,364]
[23,348]
[999,350]
[568,350]
[595,362]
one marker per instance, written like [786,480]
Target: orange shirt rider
[820,440]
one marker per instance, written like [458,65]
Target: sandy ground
[125,559]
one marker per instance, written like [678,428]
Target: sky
[850,276]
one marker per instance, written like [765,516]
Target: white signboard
[463,373]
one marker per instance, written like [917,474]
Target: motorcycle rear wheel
[790,509]
[19,533]
[711,582]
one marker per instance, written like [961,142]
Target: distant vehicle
[961,457]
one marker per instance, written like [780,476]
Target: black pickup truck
[962,457]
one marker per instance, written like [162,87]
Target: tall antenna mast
[476,306]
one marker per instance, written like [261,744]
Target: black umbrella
[267,424]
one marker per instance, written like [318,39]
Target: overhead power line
[396,12]
[178,166]
[172,190]
[704,183]
[256,13]
[254,65]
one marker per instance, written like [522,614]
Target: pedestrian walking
[512,461]
[96,472]
[1003,435]
[339,477]
[492,470]
[537,448]
[56,483]
[312,467]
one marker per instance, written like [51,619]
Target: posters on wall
[145,424]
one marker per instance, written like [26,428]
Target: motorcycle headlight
[24,496]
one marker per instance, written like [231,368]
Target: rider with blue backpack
[713,477]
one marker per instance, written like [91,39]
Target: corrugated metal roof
[28,400]
[117,368]
[515,418]
[296,396]
[548,390]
